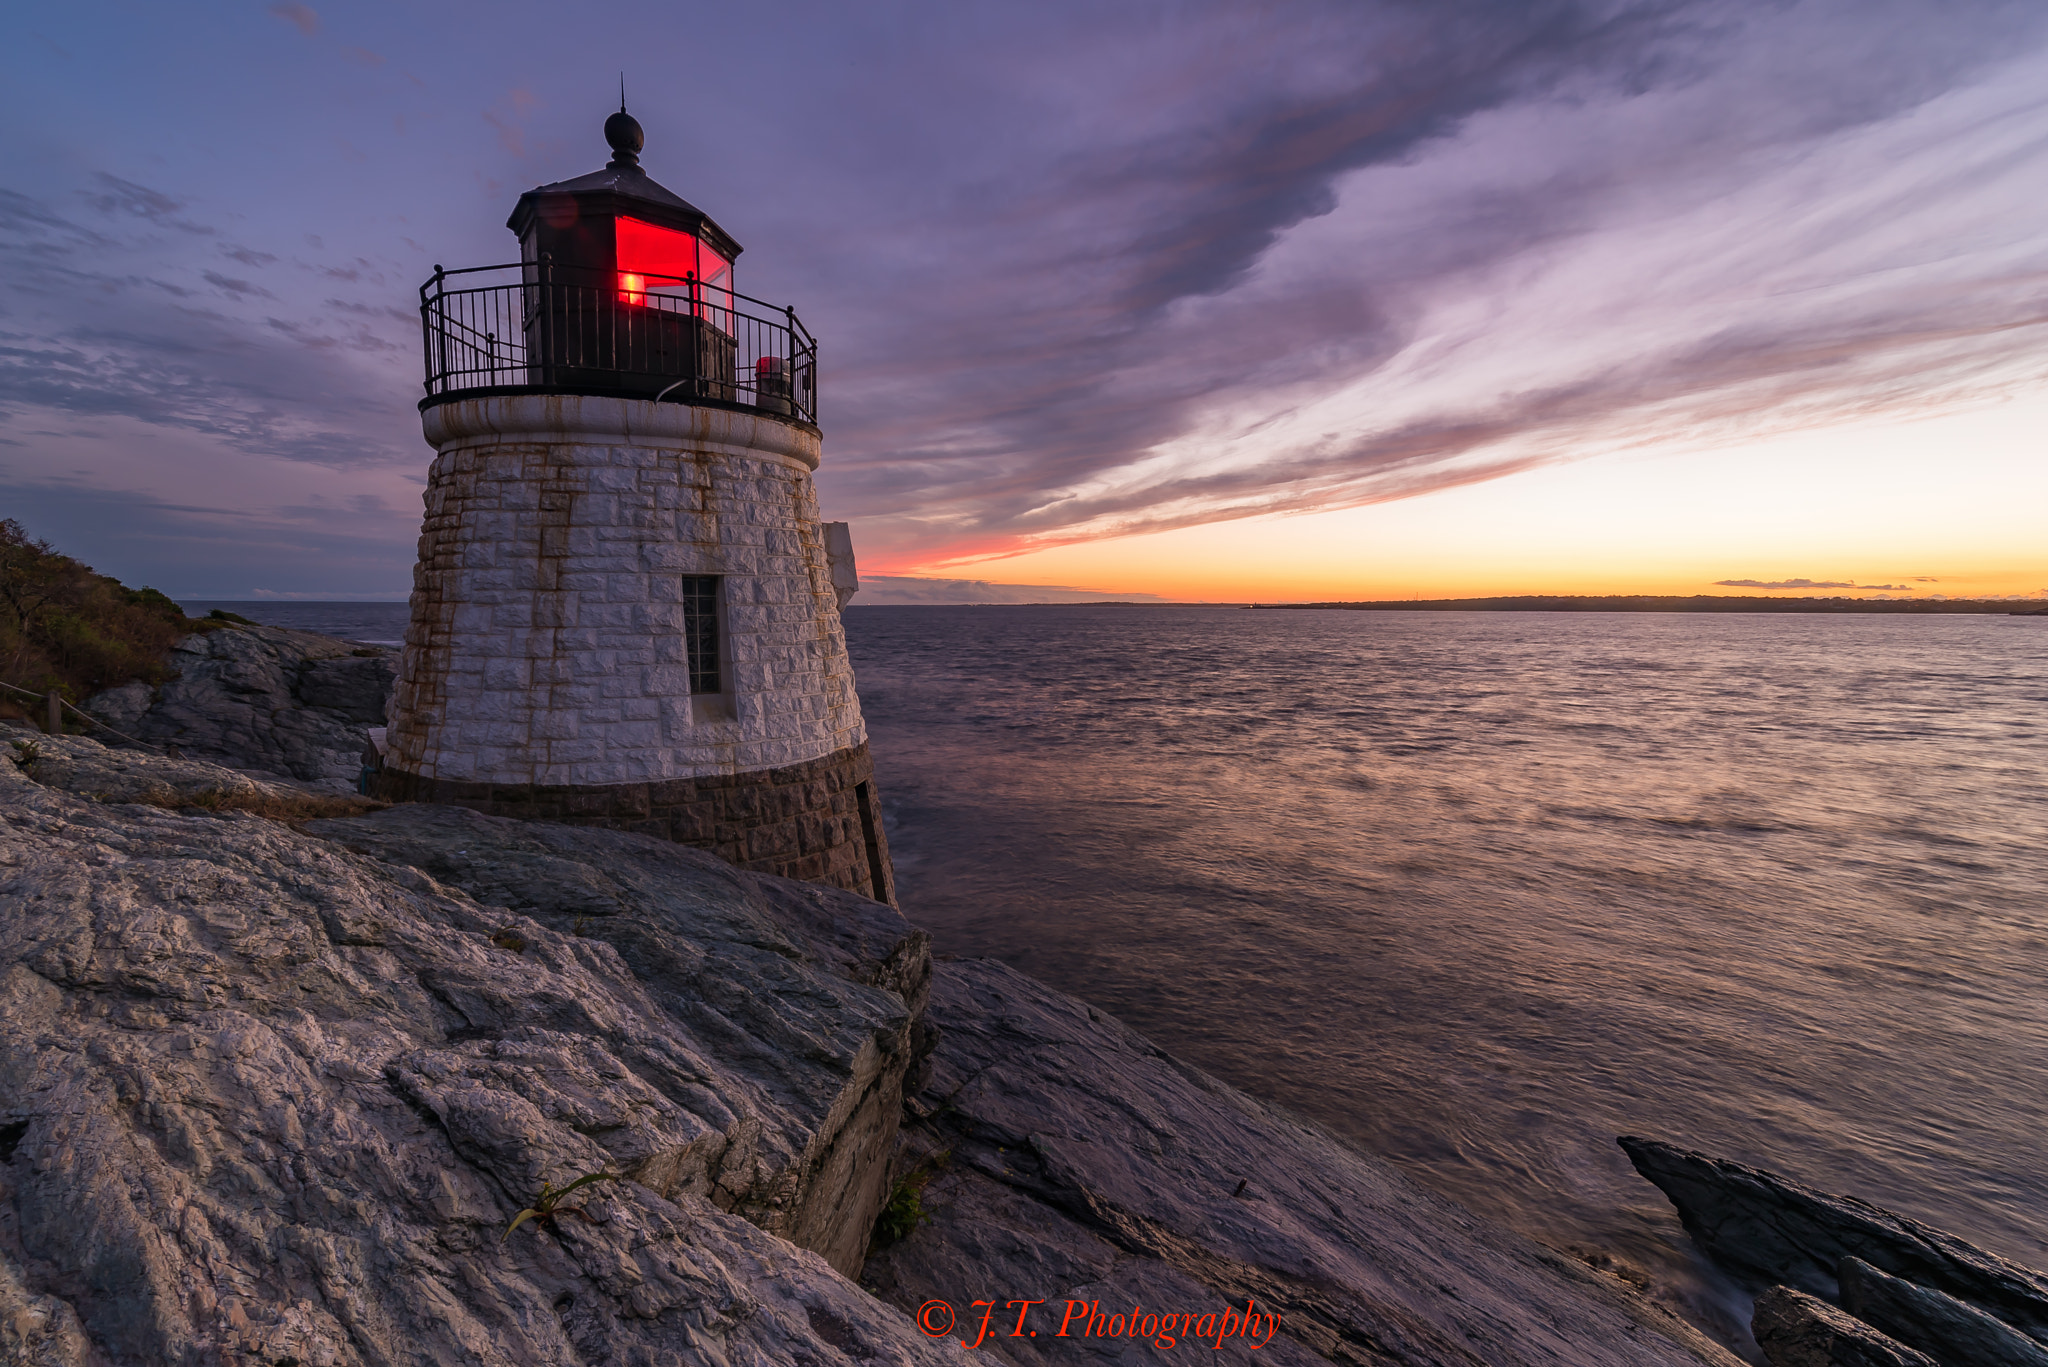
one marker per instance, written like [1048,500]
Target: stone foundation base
[820,821]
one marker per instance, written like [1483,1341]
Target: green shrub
[905,1209]
[548,1207]
[66,628]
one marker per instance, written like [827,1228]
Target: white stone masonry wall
[546,643]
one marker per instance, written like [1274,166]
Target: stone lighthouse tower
[626,612]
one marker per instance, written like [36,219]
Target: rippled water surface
[1482,891]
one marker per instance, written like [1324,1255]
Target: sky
[1224,302]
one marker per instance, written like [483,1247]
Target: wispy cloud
[300,16]
[881,590]
[1086,270]
[1594,228]
[1793,584]
[509,116]
[124,198]
[83,334]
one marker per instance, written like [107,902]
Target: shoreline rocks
[1084,1163]
[1915,1287]
[275,1090]
[264,1096]
[1952,1332]
[1798,1330]
[86,768]
[283,702]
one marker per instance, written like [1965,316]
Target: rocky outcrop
[1070,1163]
[81,765]
[1952,1333]
[1798,1330]
[273,1094]
[734,958]
[1770,1230]
[266,698]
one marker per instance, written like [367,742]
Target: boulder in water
[1771,1230]
[1798,1330]
[1952,1333]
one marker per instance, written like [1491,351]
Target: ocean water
[379,624]
[1482,891]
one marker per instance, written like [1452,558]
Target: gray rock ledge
[1798,1330]
[263,1096]
[285,702]
[1087,1164]
[1950,1332]
[1771,1230]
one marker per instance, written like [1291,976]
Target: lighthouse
[626,612]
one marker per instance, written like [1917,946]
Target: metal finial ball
[623,132]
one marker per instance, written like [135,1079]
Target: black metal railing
[570,330]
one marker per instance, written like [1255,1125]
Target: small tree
[31,573]
[64,627]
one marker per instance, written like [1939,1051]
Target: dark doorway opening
[871,829]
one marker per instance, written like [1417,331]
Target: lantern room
[623,288]
[619,222]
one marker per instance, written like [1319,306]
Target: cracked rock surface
[286,702]
[83,766]
[1771,1230]
[1798,1330]
[1944,1328]
[1083,1163]
[275,1093]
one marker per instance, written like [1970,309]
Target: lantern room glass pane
[715,298]
[652,258]
[715,271]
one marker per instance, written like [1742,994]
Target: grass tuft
[905,1209]
[277,806]
[548,1207]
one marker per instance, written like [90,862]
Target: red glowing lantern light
[675,260]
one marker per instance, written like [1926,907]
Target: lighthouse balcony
[545,328]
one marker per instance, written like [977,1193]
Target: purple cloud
[301,16]
[1079,270]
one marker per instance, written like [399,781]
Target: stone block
[766,843]
[555,725]
[508,675]
[613,479]
[669,557]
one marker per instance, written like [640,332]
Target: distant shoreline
[2019,607]
[1703,602]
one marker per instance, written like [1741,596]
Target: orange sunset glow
[1944,505]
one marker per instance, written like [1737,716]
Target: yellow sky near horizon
[1954,504]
